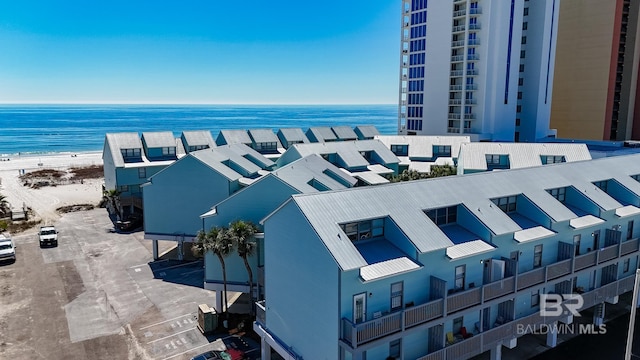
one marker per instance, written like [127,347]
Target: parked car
[48,235]
[132,222]
[7,249]
[230,354]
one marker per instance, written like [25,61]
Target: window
[394,348]
[492,159]
[167,151]
[519,95]
[521,68]
[198,147]
[518,108]
[364,229]
[442,150]
[517,121]
[506,204]
[636,177]
[459,280]
[630,230]
[537,256]
[396,296]
[130,153]
[520,81]
[625,266]
[552,159]
[142,173]
[457,324]
[535,298]
[522,54]
[123,188]
[601,184]
[558,193]
[443,216]
[526,11]
[524,40]
[525,25]
[576,243]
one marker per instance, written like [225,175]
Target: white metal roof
[118,141]
[228,137]
[387,268]
[370,177]
[299,174]
[585,221]
[348,151]
[366,131]
[627,211]
[472,156]
[158,139]
[263,136]
[344,133]
[321,134]
[469,248]
[292,135]
[198,138]
[421,147]
[405,202]
[215,158]
[534,233]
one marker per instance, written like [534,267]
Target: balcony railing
[455,87]
[457,58]
[454,116]
[456,72]
[460,13]
[472,72]
[358,334]
[457,43]
[608,253]
[458,28]
[486,340]
[474,42]
[474,26]
[628,246]
[261,314]
[499,288]
[453,130]
[475,11]
[455,101]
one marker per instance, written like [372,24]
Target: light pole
[632,319]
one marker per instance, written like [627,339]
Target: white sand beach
[45,200]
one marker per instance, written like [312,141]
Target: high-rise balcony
[469,101]
[453,116]
[457,58]
[476,10]
[456,72]
[453,130]
[460,13]
[455,87]
[457,43]
[474,26]
[473,57]
[471,87]
[469,116]
[455,101]
[473,42]
[459,28]
[472,72]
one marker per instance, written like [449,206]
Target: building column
[598,314]
[265,350]
[219,301]
[496,352]
[155,249]
[552,334]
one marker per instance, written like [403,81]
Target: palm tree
[221,244]
[242,233]
[4,204]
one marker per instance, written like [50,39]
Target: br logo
[560,304]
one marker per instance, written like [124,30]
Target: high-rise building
[478,67]
[596,85]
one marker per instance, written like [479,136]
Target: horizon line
[192,103]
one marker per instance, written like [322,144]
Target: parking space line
[172,335]
[197,347]
[166,321]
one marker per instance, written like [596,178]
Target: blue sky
[199,51]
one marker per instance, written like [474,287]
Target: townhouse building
[420,152]
[476,157]
[446,268]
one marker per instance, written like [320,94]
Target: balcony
[473,57]
[469,116]
[457,43]
[456,73]
[459,28]
[459,13]
[455,101]
[457,58]
[499,288]
[464,299]
[455,87]
[628,247]
[469,101]
[453,116]
[471,87]
[473,42]
[531,278]
[475,11]
[474,26]
[486,340]
[453,130]
[472,72]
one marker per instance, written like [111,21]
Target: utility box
[207,319]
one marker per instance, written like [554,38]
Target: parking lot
[99,295]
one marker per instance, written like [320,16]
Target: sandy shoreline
[44,201]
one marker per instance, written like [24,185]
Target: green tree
[242,234]
[4,205]
[218,241]
[442,170]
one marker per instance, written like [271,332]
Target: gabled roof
[263,136]
[422,146]
[348,151]
[292,135]
[301,173]
[344,133]
[366,132]
[405,202]
[521,155]
[321,134]
[158,139]
[119,141]
[198,138]
[227,137]
[216,158]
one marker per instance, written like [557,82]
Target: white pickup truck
[48,236]
[7,249]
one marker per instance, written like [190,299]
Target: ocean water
[40,129]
